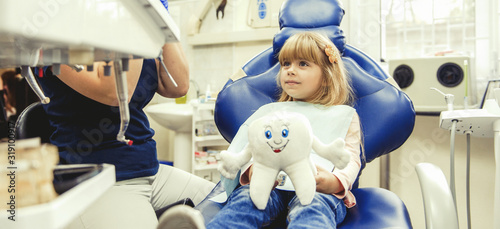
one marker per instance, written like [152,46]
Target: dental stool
[386,113]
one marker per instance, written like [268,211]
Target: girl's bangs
[307,50]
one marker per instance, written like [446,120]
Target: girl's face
[300,79]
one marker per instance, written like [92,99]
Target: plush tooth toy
[282,141]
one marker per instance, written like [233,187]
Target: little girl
[313,80]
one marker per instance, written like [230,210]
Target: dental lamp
[38,34]
[107,31]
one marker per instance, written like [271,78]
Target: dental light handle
[122,94]
[449,98]
[160,57]
[30,78]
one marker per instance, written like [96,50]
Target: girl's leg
[240,212]
[325,211]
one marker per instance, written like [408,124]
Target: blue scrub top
[86,130]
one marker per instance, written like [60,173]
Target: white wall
[429,143]
[214,64]
[210,64]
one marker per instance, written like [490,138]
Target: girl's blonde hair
[310,46]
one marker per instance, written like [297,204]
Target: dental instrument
[449,98]
[468,133]
[30,78]
[467,180]
[122,94]
[107,69]
[31,58]
[77,67]
[160,57]
[56,59]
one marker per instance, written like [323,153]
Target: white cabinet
[207,142]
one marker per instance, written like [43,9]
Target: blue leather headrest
[335,34]
[319,13]
[322,16]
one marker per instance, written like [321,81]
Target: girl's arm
[339,181]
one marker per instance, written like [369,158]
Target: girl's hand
[326,182]
[247,179]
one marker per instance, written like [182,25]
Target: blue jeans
[325,211]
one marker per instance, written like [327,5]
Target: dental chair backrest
[386,113]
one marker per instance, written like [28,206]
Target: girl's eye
[268,134]
[286,63]
[303,64]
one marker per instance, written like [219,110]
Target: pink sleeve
[245,175]
[348,175]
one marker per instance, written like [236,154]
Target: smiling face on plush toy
[280,138]
[277,140]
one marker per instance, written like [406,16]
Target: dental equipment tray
[91,182]
[66,178]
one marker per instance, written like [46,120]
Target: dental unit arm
[483,122]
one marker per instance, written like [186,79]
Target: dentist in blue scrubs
[84,111]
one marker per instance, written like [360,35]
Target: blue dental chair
[386,113]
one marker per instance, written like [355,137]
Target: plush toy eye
[268,134]
[284,132]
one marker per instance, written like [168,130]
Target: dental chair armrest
[209,208]
[440,210]
[376,208]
